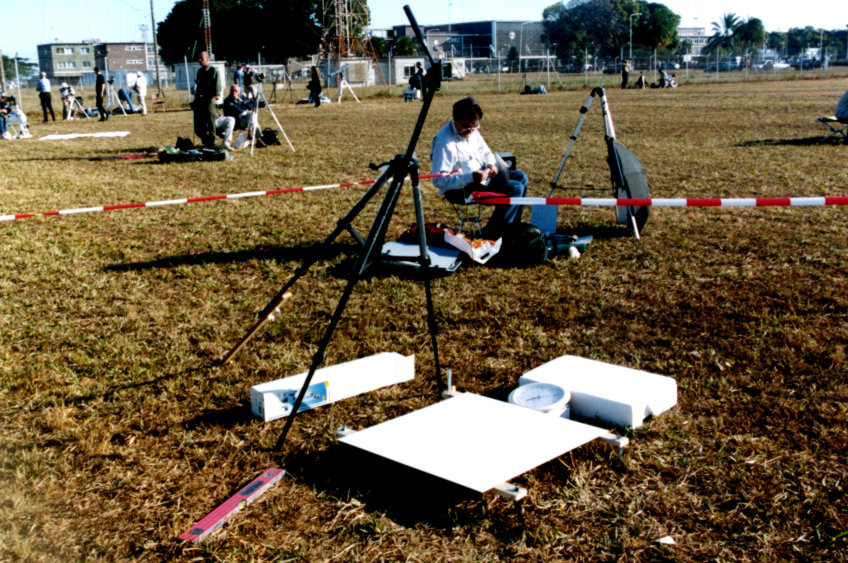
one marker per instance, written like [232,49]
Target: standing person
[625,74]
[207,92]
[459,146]
[251,82]
[43,89]
[314,87]
[238,76]
[140,88]
[100,94]
[416,81]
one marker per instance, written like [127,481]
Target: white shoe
[227,146]
[7,136]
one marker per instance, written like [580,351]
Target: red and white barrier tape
[491,199]
[195,199]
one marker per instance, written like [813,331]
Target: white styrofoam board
[474,441]
[273,400]
[615,394]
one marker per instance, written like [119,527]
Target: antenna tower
[341,39]
[207,28]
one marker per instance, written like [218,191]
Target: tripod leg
[375,237]
[280,127]
[424,258]
[343,224]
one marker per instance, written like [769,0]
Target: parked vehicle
[806,64]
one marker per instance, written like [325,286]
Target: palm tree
[724,32]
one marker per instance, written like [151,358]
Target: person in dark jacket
[314,87]
[207,93]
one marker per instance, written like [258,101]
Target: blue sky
[27,23]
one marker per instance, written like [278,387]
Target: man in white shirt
[140,88]
[459,146]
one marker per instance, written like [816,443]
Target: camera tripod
[395,170]
[74,105]
[287,85]
[112,98]
[258,100]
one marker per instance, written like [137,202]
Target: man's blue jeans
[516,186]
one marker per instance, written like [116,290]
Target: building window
[408,71]
[132,48]
[151,62]
[85,50]
[64,50]
[69,64]
[86,64]
[135,62]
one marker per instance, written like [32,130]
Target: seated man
[238,107]
[12,114]
[459,146]
[5,111]
[842,108]
[224,128]
[641,83]
[67,95]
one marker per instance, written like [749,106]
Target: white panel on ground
[474,441]
[614,394]
[275,399]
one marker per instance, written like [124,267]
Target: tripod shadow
[805,142]
[286,254]
[225,418]
[405,495]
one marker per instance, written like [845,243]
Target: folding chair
[839,129]
[472,213]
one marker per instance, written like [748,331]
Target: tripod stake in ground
[395,170]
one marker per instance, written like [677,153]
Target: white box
[617,395]
[275,399]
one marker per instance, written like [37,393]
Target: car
[806,64]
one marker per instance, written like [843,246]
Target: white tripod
[258,102]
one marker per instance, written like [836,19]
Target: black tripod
[396,170]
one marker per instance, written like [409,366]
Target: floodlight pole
[637,14]
[155,54]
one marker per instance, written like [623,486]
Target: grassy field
[119,430]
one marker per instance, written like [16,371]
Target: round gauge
[543,397]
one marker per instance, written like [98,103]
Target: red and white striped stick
[491,199]
[195,199]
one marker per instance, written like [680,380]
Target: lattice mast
[207,28]
[344,42]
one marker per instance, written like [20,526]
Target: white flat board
[474,441]
[615,394]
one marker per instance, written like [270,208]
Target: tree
[241,29]
[512,57]
[380,46]
[25,68]
[777,41]
[406,46]
[658,26]
[604,26]
[724,32]
[751,34]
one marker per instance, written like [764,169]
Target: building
[697,36]
[483,40]
[66,61]
[75,62]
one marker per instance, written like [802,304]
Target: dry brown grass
[118,431]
